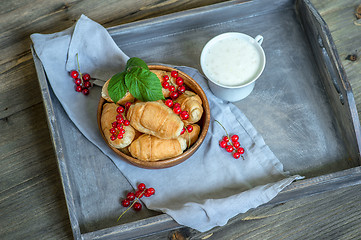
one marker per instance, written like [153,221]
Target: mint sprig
[116,87]
[138,80]
[136,62]
[144,84]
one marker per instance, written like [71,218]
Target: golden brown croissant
[125,150]
[127,97]
[191,103]
[156,119]
[191,137]
[151,148]
[108,116]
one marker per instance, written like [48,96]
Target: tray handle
[328,63]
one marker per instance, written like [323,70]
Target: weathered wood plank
[32,204]
[340,17]
[30,185]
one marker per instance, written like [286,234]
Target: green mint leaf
[136,62]
[144,84]
[116,87]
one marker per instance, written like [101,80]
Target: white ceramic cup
[240,89]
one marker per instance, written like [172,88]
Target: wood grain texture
[340,17]
[32,204]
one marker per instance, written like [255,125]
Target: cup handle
[259,39]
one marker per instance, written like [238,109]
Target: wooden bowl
[203,123]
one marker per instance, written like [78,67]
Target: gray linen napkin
[203,192]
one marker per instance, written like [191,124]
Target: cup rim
[226,35]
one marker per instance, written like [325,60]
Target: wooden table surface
[32,204]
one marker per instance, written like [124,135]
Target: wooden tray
[302,105]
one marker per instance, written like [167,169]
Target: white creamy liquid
[232,61]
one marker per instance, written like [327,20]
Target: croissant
[156,119]
[108,116]
[151,148]
[191,137]
[191,103]
[125,150]
[127,97]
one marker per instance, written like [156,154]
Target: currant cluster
[132,198]
[82,81]
[188,128]
[175,91]
[117,129]
[184,115]
[232,146]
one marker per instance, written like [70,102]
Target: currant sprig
[132,199]
[82,81]
[176,107]
[175,90]
[117,129]
[231,145]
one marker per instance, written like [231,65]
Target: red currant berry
[174,95]
[112,130]
[85,91]
[229,148]
[114,124]
[165,78]
[78,88]
[234,138]
[176,105]
[120,109]
[222,144]
[236,155]
[181,89]
[179,81]
[174,74]
[183,131]
[74,74]
[130,196]
[112,137]
[151,191]
[141,186]
[125,203]
[119,117]
[236,144]
[184,115]
[119,126]
[137,206]
[77,81]
[177,110]
[120,136]
[146,194]
[126,123]
[86,77]
[240,150]
[127,105]
[189,128]
[169,103]
[165,85]
[139,194]
[171,88]
[87,84]
[122,131]
[225,138]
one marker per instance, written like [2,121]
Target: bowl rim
[192,84]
